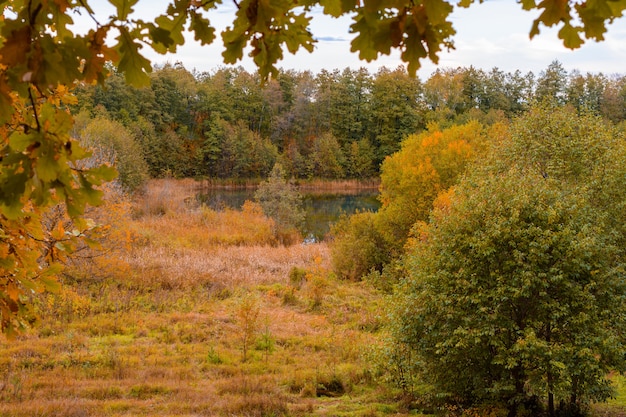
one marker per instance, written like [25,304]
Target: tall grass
[346,185]
[164,335]
[338,186]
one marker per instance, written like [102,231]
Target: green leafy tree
[515,291]
[513,297]
[327,157]
[443,93]
[282,202]
[111,142]
[123,103]
[357,246]
[552,83]
[395,109]
[586,93]
[151,146]
[233,151]
[342,103]
[174,91]
[360,157]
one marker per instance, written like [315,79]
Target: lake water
[322,209]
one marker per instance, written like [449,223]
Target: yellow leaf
[13,291]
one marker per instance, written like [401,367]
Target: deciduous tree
[282,202]
[411,179]
[515,293]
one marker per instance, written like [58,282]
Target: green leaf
[124,7]
[332,7]
[174,25]
[47,167]
[134,66]
[554,11]
[298,35]
[12,189]
[100,175]
[437,11]
[570,36]
[19,141]
[364,43]
[466,3]
[234,42]
[161,40]
[50,284]
[202,29]
[414,48]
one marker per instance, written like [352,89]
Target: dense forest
[335,124]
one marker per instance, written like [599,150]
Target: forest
[333,125]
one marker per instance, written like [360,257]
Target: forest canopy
[335,124]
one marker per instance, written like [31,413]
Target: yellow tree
[427,164]
[411,179]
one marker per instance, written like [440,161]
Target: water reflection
[322,210]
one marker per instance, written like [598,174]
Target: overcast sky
[492,34]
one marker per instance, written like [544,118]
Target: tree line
[334,124]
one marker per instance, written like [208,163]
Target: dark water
[322,210]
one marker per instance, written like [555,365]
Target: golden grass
[162,336]
[311,185]
[342,186]
[159,331]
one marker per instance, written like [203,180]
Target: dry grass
[166,196]
[342,186]
[159,330]
[163,335]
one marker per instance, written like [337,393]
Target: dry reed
[161,336]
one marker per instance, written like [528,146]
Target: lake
[322,209]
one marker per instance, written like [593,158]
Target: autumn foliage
[411,179]
[518,274]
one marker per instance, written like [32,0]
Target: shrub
[282,202]
[297,277]
[357,246]
[247,320]
[112,143]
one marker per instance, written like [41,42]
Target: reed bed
[184,321]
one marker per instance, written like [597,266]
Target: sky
[491,34]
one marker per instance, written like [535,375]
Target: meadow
[186,311]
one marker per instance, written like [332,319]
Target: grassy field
[185,311]
[191,312]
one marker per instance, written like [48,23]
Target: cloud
[331,39]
